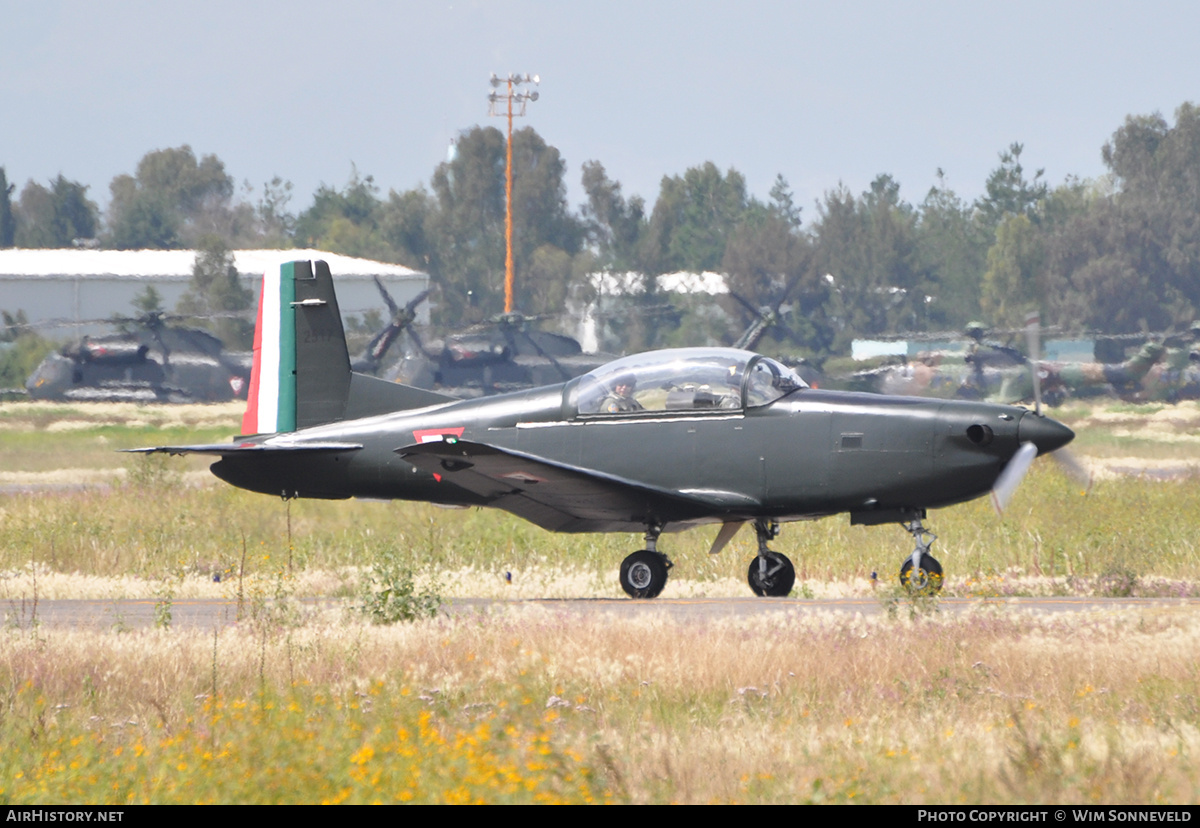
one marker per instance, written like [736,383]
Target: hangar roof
[173,264]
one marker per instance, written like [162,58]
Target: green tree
[405,227]
[23,351]
[464,229]
[539,201]
[276,224]
[865,249]
[55,216]
[468,227]
[613,225]
[1014,263]
[952,251]
[783,202]
[172,200]
[35,218]
[8,222]
[216,295]
[148,301]
[692,220]
[1129,259]
[768,263]
[1009,192]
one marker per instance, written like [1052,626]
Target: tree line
[1120,254]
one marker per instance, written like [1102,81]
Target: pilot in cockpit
[621,398]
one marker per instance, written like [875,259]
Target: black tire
[778,584]
[926,581]
[644,574]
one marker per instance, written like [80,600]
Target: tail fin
[301,373]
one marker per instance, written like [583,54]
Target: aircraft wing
[227,449]
[564,498]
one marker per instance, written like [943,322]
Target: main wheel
[644,574]
[925,581]
[778,581]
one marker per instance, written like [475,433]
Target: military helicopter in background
[988,370]
[1175,375]
[770,319]
[154,361]
[504,354]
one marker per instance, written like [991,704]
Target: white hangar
[60,290]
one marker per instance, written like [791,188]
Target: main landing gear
[771,574]
[921,574]
[644,573]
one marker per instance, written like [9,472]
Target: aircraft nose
[1043,432]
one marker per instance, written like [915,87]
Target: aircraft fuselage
[811,453]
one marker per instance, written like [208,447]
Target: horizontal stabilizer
[227,449]
[370,396]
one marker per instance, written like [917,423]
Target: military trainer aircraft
[654,442]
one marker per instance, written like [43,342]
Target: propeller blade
[1008,481]
[1032,335]
[1073,469]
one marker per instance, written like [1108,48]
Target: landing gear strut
[644,573]
[771,574]
[921,574]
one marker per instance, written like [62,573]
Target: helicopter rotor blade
[745,303]
[416,301]
[1032,337]
[566,375]
[392,307]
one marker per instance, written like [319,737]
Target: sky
[823,93]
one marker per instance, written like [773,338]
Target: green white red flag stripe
[271,401]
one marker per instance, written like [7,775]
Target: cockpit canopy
[684,379]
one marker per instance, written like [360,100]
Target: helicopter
[501,355]
[154,361]
[988,370]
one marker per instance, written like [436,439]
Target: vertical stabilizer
[301,373]
[322,370]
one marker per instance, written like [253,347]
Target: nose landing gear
[921,574]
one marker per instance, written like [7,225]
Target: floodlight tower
[521,98]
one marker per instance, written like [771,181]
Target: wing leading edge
[564,498]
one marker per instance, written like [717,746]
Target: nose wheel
[771,575]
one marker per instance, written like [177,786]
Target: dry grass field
[527,703]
